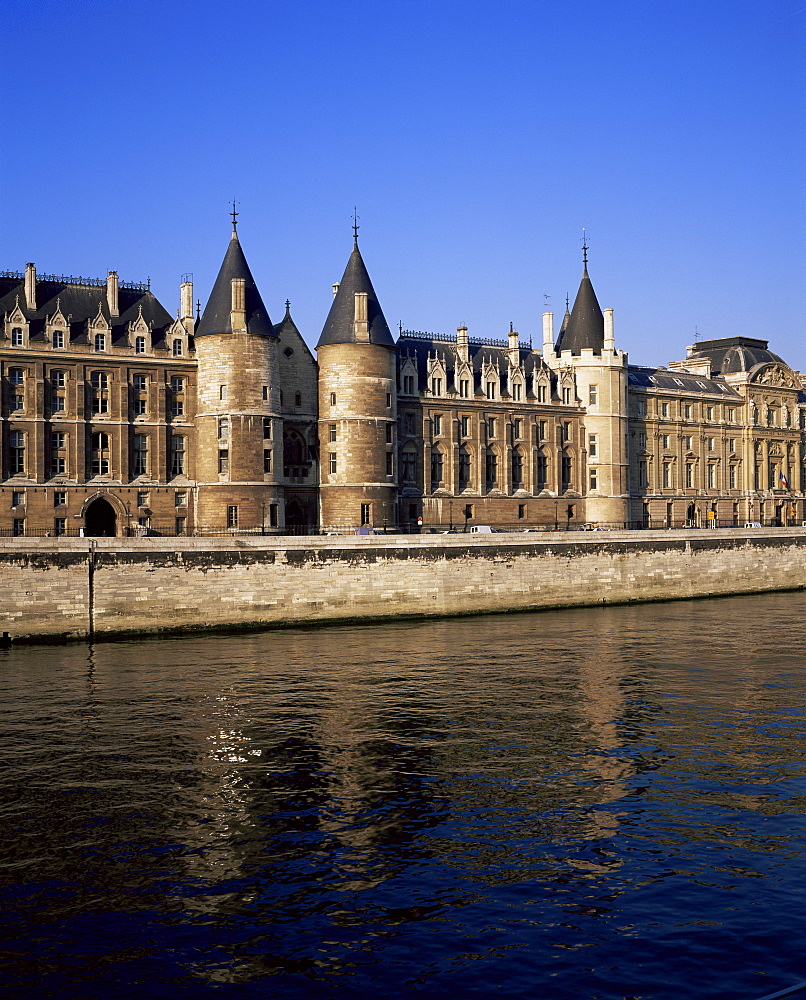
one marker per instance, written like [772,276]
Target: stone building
[119,419]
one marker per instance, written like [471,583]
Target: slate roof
[80,302]
[338,328]
[585,327]
[217,315]
[419,347]
[730,355]
[660,378]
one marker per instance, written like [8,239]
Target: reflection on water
[594,803]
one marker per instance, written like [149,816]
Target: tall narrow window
[490,467]
[366,513]
[223,429]
[267,428]
[177,347]
[517,468]
[177,455]
[566,472]
[139,345]
[593,395]
[223,461]
[332,464]
[222,392]
[491,390]
[464,423]
[464,388]
[516,392]
[542,471]
[333,399]
[17,339]
[100,453]
[436,468]
[232,516]
[408,385]
[58,339]
[592,446]
[267,460]
[464,467]
[139,455]
[17,443]
[100,341]
[542,393]
[436,386]
[58,461]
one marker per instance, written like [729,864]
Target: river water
[603,803]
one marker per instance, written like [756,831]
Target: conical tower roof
[339,328]
[584,330]
[217,315]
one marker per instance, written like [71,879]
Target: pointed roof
[585,327]
[338,328]
[217,315]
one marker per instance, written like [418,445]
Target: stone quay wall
[60,588]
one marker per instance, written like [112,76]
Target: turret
[238,414]
[357,407]
[586,344]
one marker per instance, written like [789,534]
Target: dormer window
[491,390]
[177,347]
[17,338]
[58,338]
[139,345]
[436,386]
[100,341]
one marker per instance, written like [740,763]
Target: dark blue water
[586,804]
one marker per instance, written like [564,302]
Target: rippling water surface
[601,803]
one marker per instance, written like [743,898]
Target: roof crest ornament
[584,251]
[234,215]
[356,227]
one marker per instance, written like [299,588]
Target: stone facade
[74,588]
[119,419]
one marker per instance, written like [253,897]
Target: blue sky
[477,139]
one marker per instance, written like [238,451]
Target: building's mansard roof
[217,316]
[423,348]
[731,355]
[584,329]
[677,381]
[339,328]
[80,301]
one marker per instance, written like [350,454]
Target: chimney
[548,333]
[461,343]
[609,340]
[360,319]
[30,286]
[514,354]
[112,287]
[186,300]
[238,288]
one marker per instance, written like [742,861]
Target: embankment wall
[56,589]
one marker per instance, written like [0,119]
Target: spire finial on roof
[585,251]
[566,301]
[198,310]
[234,215]
[288,307]
[355,225]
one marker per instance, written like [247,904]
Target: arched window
[566,471]
[436,468]
[465,467]
[293,449]
[517,468]
[541,477]
[139,455]
[490,467]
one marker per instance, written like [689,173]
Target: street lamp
[556,515]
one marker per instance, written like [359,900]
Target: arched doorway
[100,519]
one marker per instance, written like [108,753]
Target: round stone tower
[238,422]
[586,344]
[357,408]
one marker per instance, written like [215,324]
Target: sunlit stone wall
[72,587]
